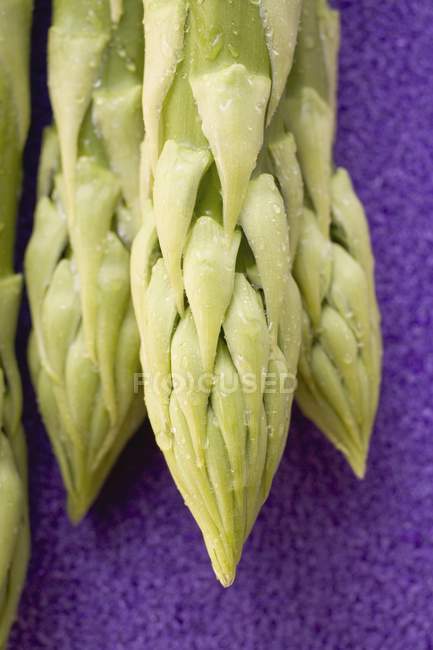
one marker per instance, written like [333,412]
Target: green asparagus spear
[216,305]
[84,349]
[15,19]
[340,363]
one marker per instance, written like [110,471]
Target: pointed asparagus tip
[225,571]
[79,503]
[77,509]
[357,460]
[227,580]
[225,557]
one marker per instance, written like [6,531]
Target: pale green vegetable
[84,349]
[216,305]
[340,363]
[15,20]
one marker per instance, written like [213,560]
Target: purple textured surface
[332,563]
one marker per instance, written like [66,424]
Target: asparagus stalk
[217,308]
[84,348]
[340,362]
[15,19]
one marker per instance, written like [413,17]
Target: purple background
[332,563]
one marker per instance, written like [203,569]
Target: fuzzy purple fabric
[332,563]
